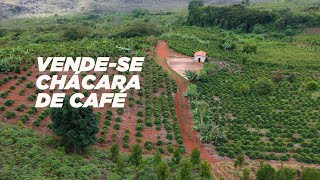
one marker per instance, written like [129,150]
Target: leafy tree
[246,174]
[230,17]
[163,171]
[249,48]
[286,19]
[76,32]
[211,68]
[195,157]
[292,78]
[266,172]
[77,127]
[193,5]
[136,155]
[138,29]
[264,86]
[205,170]
[240,161]
[176,156]
[185,172]
[157,158]
[227,46]
[193,8]
[286,174]
[120,164]
[241,88]
[246,2]
[115,152]
[137,13]
[310,174]
[312,85]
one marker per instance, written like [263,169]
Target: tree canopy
[77,127]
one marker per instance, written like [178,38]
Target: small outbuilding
[200,56]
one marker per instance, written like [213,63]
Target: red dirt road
[182,106]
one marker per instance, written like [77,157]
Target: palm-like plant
[200,111]
[212,132]
[192,92]
[191,75]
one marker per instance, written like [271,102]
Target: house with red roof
[200,56]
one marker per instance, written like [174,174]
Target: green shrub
[286,174]
[33,110]
[264,86]
[310,174]
[32,97]
[120,111]
[266,172]
[148,145]
[2,108]
[76,32]
[241,88]
[115,152]
[119,119]
[159,143]
[139,127]
[140,113]
[9,102]
[140,29]
[10,115]
[163,171]
[136,155]
[21,107]
[30,85]
[312,85]
[116,127]
[195,157]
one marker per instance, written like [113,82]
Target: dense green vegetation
[43,158]
[25,154]
[77,127]
[272,48]
[265,88]
[22,40]
[248,19]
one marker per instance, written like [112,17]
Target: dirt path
[190,138]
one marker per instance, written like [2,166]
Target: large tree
[195,4]
[192,8]
[77,127]
[266,172]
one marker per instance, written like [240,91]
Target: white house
[200,56]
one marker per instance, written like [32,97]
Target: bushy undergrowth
[24,154]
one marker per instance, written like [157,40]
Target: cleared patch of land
[181,64]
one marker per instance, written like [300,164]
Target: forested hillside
[32,8]
[242,17]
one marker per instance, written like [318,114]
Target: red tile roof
[200,53]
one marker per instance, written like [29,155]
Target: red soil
[182,106]
[129,117]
